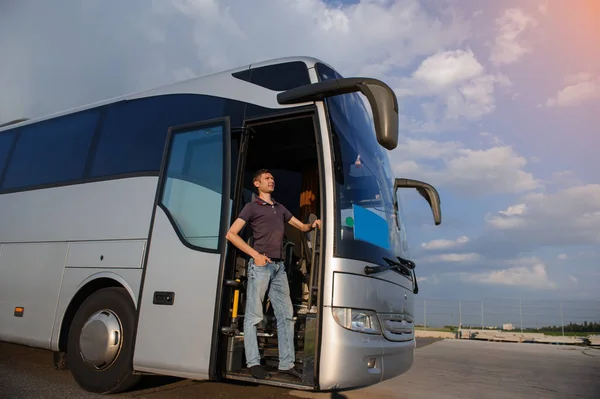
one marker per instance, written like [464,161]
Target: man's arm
[304,227]
[233,237]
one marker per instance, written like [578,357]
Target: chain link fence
[509,314]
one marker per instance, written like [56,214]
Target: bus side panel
[127,254]
[35,230]
[30,277]
[107,210]
[75,278]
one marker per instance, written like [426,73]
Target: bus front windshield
[366,225]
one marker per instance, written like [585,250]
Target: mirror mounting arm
[381,97]
[426,191]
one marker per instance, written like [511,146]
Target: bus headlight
[364,321]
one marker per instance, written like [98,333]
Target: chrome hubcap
[101,338]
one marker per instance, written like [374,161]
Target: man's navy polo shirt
[267,222]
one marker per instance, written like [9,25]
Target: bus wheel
[99,348]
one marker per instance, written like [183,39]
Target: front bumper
[352,359]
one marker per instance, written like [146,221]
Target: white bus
[113,219]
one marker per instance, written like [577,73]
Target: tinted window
[52,151]
[366,222]
[326,73]
[6,140]
[277,77]
[134,132]
[193,192]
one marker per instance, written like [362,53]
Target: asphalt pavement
[443,369]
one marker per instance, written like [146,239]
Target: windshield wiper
[403,266]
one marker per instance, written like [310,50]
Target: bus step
[228,330]
[273,354]
[258,334]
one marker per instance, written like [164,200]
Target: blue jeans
[259,279]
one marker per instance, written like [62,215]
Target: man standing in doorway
[266,268]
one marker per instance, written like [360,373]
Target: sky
[498,100]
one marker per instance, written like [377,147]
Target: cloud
[520,272]
[184,74]
[508,46]
[567,217]
[444,244]
[448,68]
[513,210]
[528,275]
[98,50]
[456,86]
[467,172]
[418,149]
[403,31]
[581,88]
[453,258]
[565,221]
[493,139]
[429,280]
[565,179]
[84,53]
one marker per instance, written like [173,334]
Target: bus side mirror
[384,103]
[427,191]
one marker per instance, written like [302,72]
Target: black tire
[118,376]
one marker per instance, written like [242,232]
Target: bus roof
[221,84]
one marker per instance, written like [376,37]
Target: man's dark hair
[259,173]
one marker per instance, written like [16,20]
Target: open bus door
[183,261]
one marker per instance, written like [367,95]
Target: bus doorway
[287,147]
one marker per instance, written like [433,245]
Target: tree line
[585,327]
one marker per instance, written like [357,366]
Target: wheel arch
[86,288]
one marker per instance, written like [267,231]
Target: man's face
[265,183]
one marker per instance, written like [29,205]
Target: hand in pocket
[261,260]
